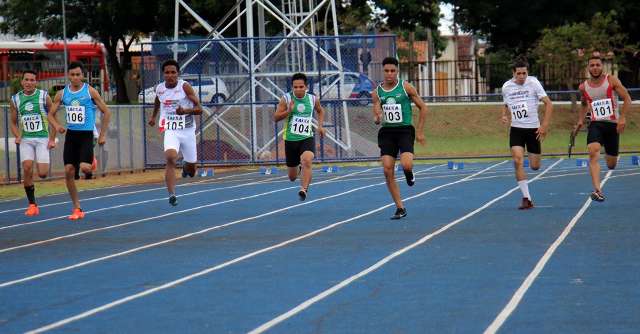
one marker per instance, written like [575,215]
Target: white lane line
[228,263]
[126,193]
[522,290]
[306,304]
[189,235]
[4,250]
[272,180]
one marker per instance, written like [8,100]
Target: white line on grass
[522,290]
[4,250]
[304,305]
[230,262]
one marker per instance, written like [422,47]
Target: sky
[447,20]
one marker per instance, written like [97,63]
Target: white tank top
[170,99]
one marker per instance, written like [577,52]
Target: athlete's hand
[377,118]
[101,140]
[290,108]
[321,131]
[51,144]
[622,122]
[61,129]
[152,122]
[505,119]
[420,138]
[18,140]
[577,127]
[541,133]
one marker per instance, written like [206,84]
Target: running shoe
[173,200]
[597,196]
[76,214]
[32,210]
[400,213]
[526,204]
[411,178]
[302,194]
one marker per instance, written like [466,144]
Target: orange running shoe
[32,210]
[76,214]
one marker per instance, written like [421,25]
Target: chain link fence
[123,150]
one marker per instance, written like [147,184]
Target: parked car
[354,85]
[213,89]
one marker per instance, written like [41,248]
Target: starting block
[330,169]
[268,170]
[635,160]
[582,162]
[455,165]
[206,172]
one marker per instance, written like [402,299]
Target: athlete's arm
[320,112]
[582,112]
[282,110]
[377,106]
[548,111]
[624,94]
[51,115]
[156,109]
[417,100]
[106,114]
[14,121]
[52,129]
[191,95]
[505,114]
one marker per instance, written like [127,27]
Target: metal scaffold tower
[301,45]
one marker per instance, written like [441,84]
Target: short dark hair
[75,64]
[299,76]
[520,62]
[594,57]
[390,60]
[29,72]
[171,62]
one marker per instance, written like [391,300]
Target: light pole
[64,39]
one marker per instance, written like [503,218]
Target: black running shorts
[525,138]
[294,149]
[392,140]
[606,134]
[78,147]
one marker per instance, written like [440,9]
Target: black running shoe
[597,196]
[302,194]
[173,200]
[411,179]
[400,213]
[88,176]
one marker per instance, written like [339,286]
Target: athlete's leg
[69,171]
[534,161]
[388,162]
[406,160]
[306,160]
[594,164]
[171,157]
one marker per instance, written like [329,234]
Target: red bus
[47,58]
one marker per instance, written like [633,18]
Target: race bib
[392,113]
[602,110]
[519,110]
[175,122]
[75,114]
[301,126]
[32,123]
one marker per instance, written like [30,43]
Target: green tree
[108,22]
[563,50]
